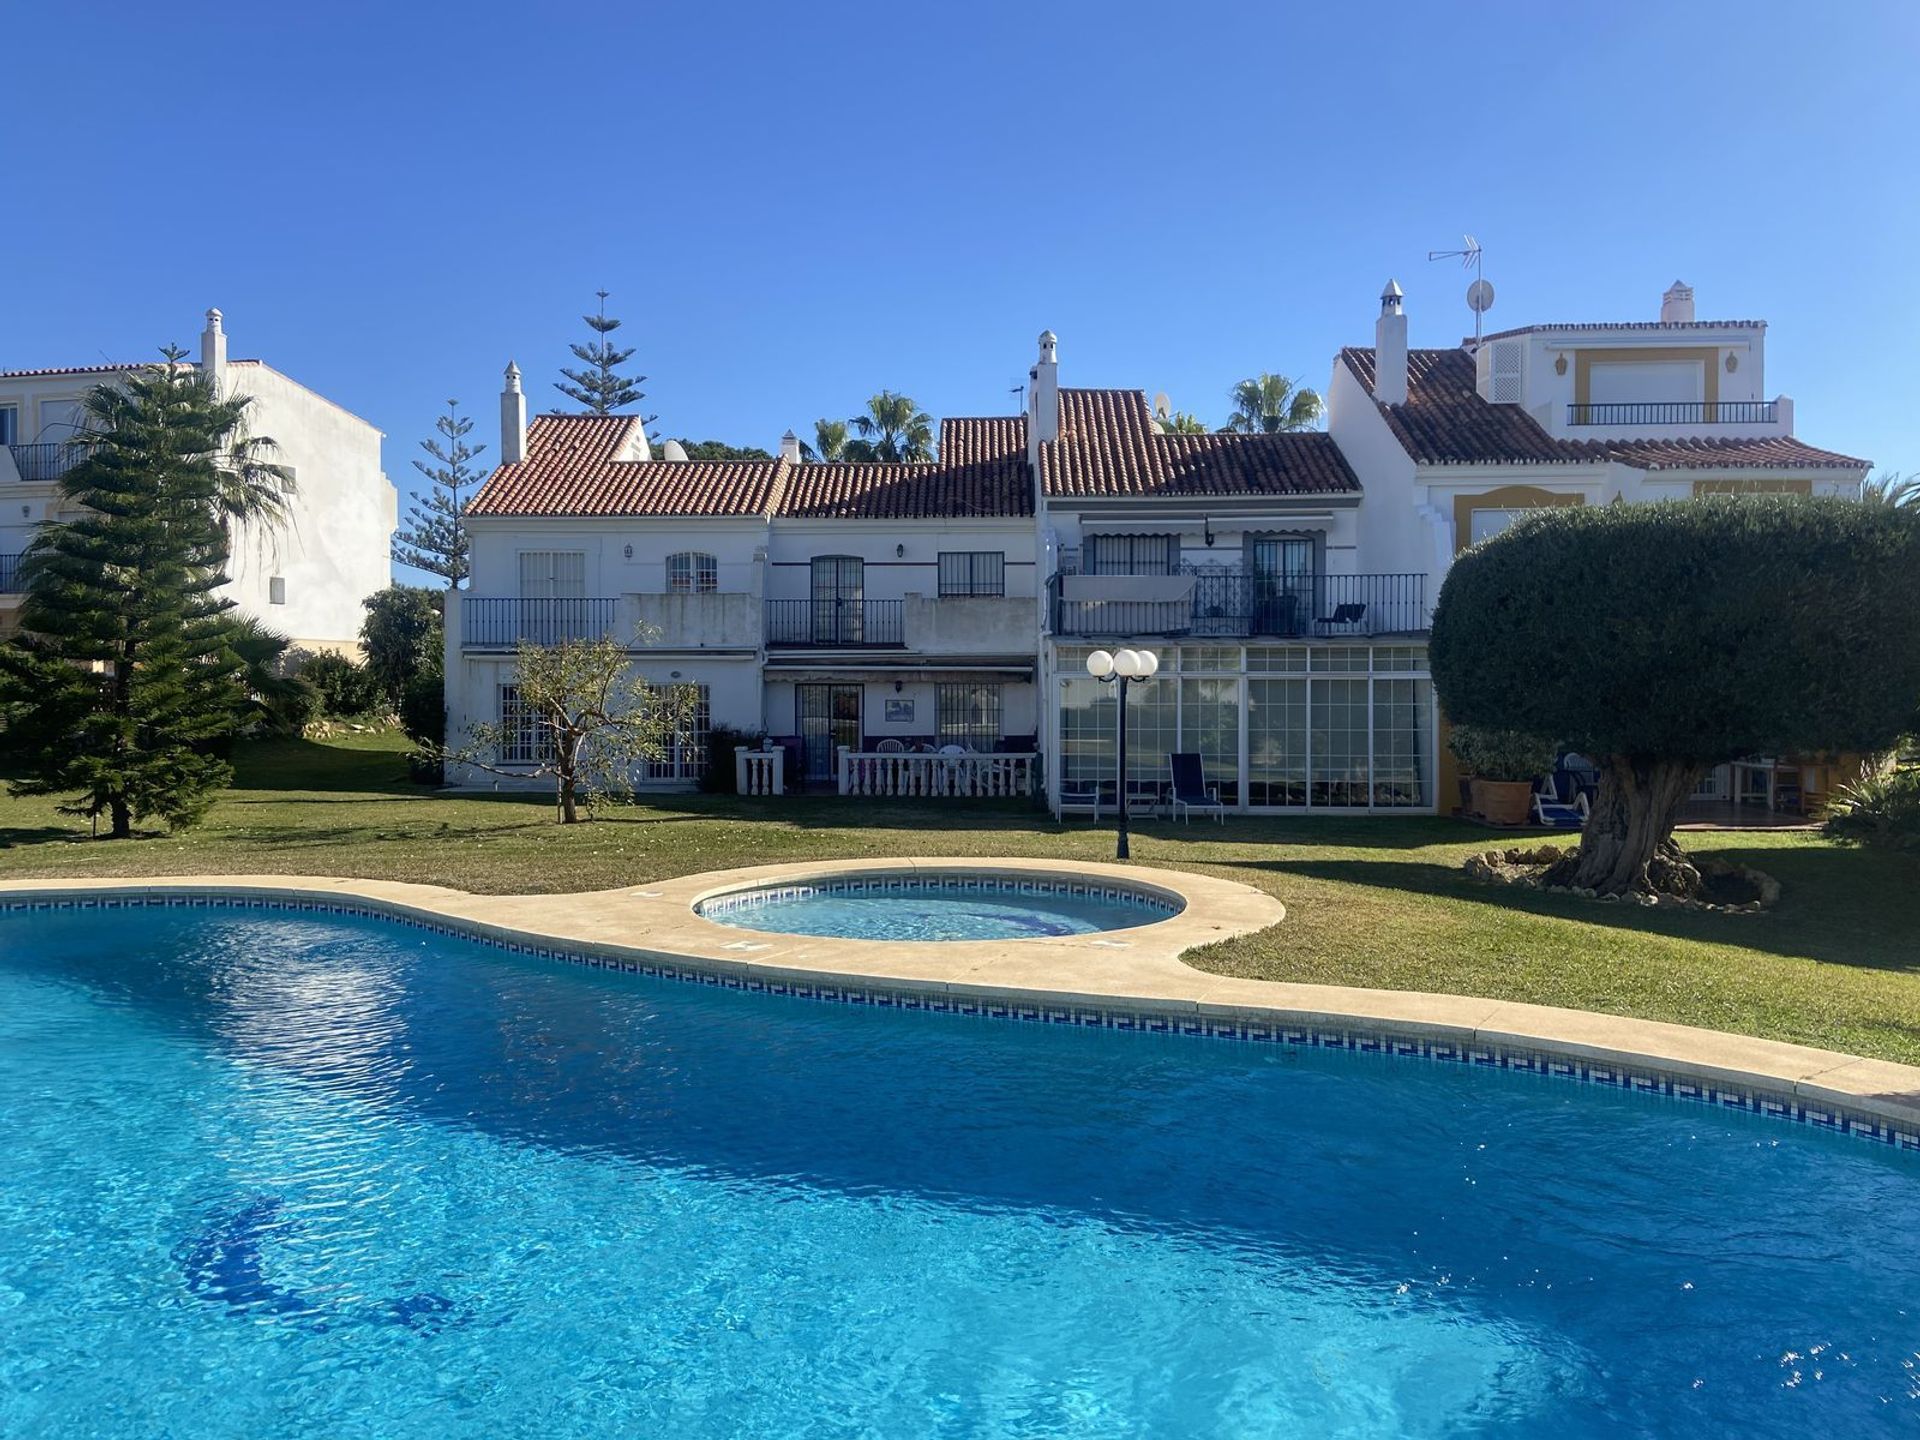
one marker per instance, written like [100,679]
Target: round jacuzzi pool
[937,905]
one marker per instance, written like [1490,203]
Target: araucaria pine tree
[122,682]
[435,536]
[598,386]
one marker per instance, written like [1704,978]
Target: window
[553,574]
[277,590]
[520,742]
[686,753]
[692,572]
[969,715]
[1132,554]
[9,425]
[973,572]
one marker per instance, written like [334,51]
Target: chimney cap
[513,376]
[213,319]
[1391,297]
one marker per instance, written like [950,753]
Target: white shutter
[1506,372]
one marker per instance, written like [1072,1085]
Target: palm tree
[893,429]
[829,442]
[1901,492]
[279,701]
[1181,422]
[1270,404]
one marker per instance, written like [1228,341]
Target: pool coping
[1126,979]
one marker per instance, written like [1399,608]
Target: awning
[1162,588]
[918,667]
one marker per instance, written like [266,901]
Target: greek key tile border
[883,996]
[756,896]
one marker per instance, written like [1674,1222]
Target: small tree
[435,536]
[829,442]
[599,387]
[124,678]
[1270,404]
[1661,640]
[401,636]
[585,719]
[891,429]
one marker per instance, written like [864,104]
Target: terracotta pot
[1503,802]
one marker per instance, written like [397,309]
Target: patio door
[839,590]
[1283,597]
[828,717]
[553,588]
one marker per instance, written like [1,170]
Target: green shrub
[346,689]
[1490,754]
[1881,809]
[722,741]
[423,708]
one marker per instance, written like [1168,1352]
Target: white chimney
[1390,348]
[790,448]
[513,419]
[1676,306]
[1043,398]
[213,352]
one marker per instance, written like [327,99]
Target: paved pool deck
[1136,970]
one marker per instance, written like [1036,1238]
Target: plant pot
[1503,802]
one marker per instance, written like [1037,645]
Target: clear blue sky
[796,205]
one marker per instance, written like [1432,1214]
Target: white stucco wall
[335,549]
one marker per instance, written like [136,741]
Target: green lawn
[1370,902]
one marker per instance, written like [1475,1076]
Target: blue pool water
[937,908]
[280,1175]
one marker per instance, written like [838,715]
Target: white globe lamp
[1099,664]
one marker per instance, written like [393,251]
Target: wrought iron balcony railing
[490,623]
[9,574]
[47,460]
[833,623]
[1675,412]
[1228,602]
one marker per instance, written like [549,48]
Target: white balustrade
[971,776]
[758,772]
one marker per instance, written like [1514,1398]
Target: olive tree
[1663,639]
[583,718]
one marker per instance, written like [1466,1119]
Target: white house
[305,581]
[1286,581]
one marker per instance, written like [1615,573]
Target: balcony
[1676,412]
[489,623]
[1231,603]
[46,461]
[836,624]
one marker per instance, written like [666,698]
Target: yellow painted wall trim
[1507,497]
[1707,356]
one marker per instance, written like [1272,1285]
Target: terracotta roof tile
[1108,447]
[1446,422]
[1769,452]
[982,470]
[573,468]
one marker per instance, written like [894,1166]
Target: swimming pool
[278,1173]
[939,905]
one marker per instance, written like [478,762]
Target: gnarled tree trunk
[1627,846]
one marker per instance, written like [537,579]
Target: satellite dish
[1480,297]
[673,450]
[1162,406]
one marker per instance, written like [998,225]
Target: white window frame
[692,572]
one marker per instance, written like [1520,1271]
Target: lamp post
[1119,669]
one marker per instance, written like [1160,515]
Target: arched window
[692,572]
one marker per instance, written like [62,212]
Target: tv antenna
[1019,393]
[1480,292]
